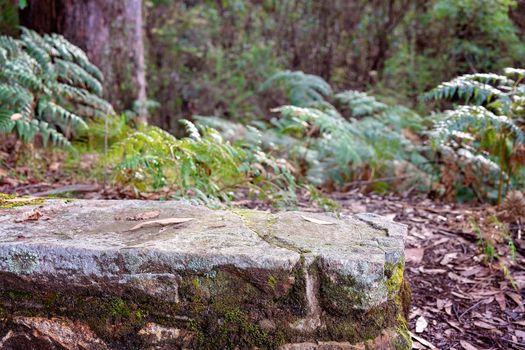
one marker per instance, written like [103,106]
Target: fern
[302,89]
[51,84]
[495,92]
[203,163]
[360,104]
[341,150]
[510,72]
[475,119]
[327,148]
[489,124]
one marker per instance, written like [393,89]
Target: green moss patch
[225,308]
[394,275]
[8,201]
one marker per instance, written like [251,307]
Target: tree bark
[110,32]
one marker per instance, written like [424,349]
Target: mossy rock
[224,280]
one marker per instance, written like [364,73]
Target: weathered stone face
[226,279]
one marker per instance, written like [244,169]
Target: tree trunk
[110,32]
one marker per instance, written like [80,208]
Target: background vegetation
[270,98]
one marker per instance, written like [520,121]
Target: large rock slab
[226,279]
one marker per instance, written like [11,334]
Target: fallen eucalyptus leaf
[19,199]
[317,221]
[32,215]
[162,222]
[414,255]
[421,324]
[423,341]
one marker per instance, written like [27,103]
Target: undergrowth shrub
[361,141]
[48,87]
[202,165]
[481,138]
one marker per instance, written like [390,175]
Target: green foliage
[301,89]
[209,57]
[328,149]
[488,26]
[47,87]
[203,60]
[202,165]
[486,132]
[440,39]
[492,234]
[340,151]
[360,103]
[8,17]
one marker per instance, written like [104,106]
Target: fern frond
[360,103]
[18,71]
[38,49]
[340,143]
[52,112]
[10,46]
[74,74]
[13,96]
[83,96]
[72,53]
[475,118]
[6,124]
[51,83]
[190,128]
[303,89]
[514,72]
[473,88]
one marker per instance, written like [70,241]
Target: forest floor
[460,299]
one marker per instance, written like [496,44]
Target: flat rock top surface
[69,234]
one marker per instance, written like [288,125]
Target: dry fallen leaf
[32,215]
[423,341]
[421,324]
[448,258]
[440,303]
[467,346]
[484,325]
[144,216]
[432,271]
[162,222]
[316,221]
[416,345]
[414,255]
[455,325]
[55,166]
[517,299]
